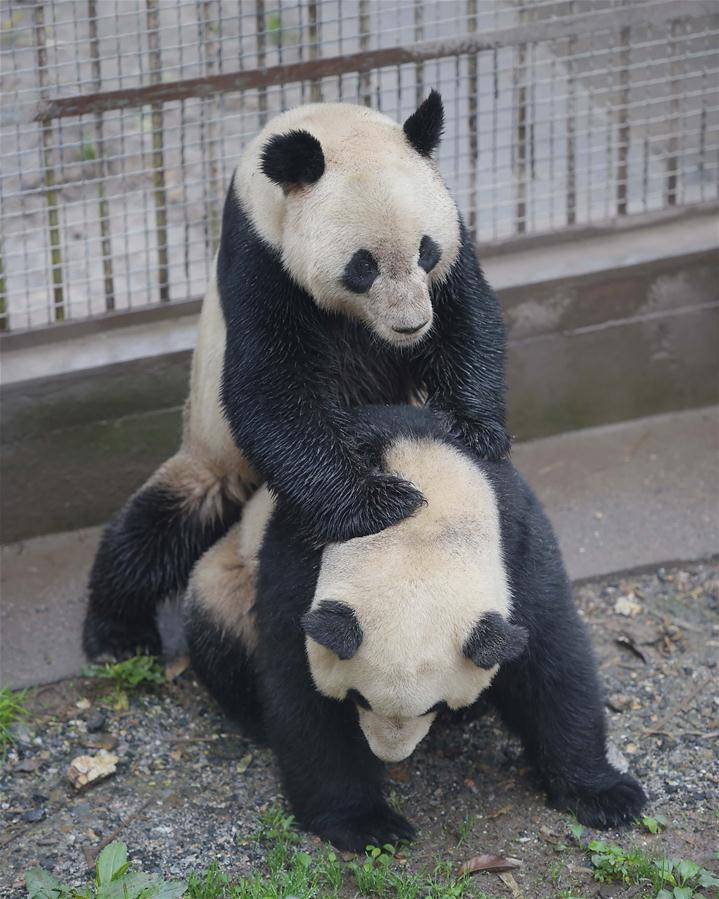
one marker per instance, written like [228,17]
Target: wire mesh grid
[559,113]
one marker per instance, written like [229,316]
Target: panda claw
[355,831]
[605,807]
[105,640]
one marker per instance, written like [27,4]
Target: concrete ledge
[621,496]
[610,327]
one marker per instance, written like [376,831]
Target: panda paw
[106,640]
[383,500]
[487,438]
[354,831]
[605,806]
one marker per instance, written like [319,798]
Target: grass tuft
[12,710]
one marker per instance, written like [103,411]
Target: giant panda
[340,658]
[344,277]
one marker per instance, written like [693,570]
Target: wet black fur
[549,696]
[145,555]
[292,372]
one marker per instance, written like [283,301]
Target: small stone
[86,769]
[34,815]
[83,704]
[96,721]
[627,606]
[631,748]
[619,702]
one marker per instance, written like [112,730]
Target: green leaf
[172,889]
[127,886]
[42,885]
[683,893]
[708,879]
[111,863]
[655,824]
[664,894]
[686,869]
[576,829]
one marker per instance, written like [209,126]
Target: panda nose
[411,330]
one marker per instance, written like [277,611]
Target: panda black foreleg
[331,778]
[145,555]
[552,700]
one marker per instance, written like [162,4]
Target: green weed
[113,880]
[12,710]
[137,673]
[666,877]
[653,825]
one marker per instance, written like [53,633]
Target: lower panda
[341,658]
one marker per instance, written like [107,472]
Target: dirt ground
[188,787]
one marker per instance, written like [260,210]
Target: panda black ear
[494,640]
[293,159]
[424,127]
[334,624]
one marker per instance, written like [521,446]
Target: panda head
[397,686]
[416,617]
[355,205]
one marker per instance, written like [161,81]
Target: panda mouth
[409,336]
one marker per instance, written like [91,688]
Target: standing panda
[341,658]
[344,277]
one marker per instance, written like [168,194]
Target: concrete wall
[609,327]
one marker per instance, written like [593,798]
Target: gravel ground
[188,787]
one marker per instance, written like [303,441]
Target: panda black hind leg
[147,552]
[551,697]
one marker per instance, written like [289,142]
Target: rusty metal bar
[53,217]
[472,123]
[4,318]
[365,26]
[209,48]
[419,37]
[672,167]
[314,47]
[624,125]
[104,210]
[364,62]
[520,157]
[571,148]
[158,154]
[261,39]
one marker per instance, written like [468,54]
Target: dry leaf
[493,863]
[398,773]
[509,881]
[88,769]
[502,810]
[175,667]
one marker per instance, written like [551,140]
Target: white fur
[377,193]
[224,580]
[417,589]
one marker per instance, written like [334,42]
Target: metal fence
[122,121]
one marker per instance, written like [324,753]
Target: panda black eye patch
[429,253]
[358,699]
[360,272]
